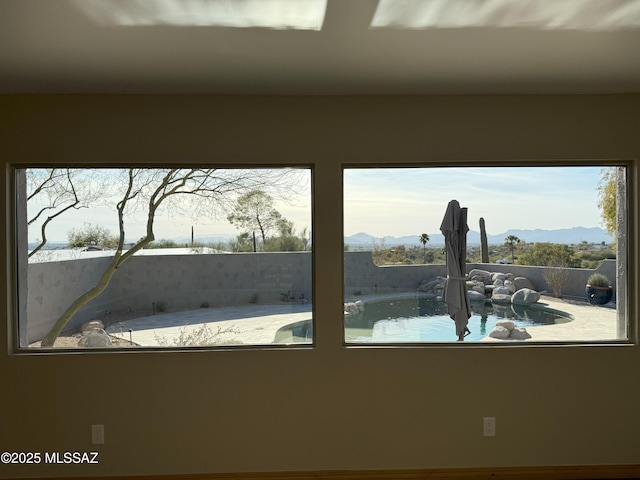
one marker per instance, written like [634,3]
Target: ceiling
[78,46]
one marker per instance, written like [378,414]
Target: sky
[169,222]
[394,202]
[410,201]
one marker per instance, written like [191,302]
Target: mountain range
[568,236]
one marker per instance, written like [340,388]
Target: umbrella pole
[464,333]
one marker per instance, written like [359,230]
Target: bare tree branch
[200,190]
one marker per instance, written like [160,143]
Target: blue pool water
[418,319]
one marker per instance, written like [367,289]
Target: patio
[258,324]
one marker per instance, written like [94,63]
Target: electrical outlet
[97,434]
[489,427]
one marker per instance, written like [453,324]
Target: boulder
[498,276]
[499,332]
[476,285]
[482,275]
[510,285]
[525,296]
[475,296]
[519,333]
[501,298]
[96,338]
[92,325]
[523,282]
[351,308]
[508,324]
[498,289]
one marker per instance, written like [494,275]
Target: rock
[525,296]
[92,325]
[476,285]
[482,275]
[95,338]
[475,296]
[520,333]
[523,282]
[498,277]
[499,332]
[508,324]
[498,289]
[501,298]
[511,286]
[351,308]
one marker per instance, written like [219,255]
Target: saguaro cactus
[484,246]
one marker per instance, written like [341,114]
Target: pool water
[417,320]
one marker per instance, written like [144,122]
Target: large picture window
[163,257]
[508,254]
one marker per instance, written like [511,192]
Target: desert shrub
[556,278]
[549,255]
[163,243]
[201,336]
[91,235]
[598,280]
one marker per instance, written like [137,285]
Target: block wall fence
[216,280]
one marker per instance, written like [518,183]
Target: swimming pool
[423,319]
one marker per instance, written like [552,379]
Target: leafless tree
[53,191]
[199,192]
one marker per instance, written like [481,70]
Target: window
[162,257]
[544,261]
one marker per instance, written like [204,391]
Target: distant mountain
[203,239]
[48,245]
[568,236]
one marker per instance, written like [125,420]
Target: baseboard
[502,473]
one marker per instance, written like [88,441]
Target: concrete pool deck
[590,323]
[258,324]
[250,324]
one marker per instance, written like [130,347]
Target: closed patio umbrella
[454,228]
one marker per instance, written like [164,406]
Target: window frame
[17,262]
[626,310]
